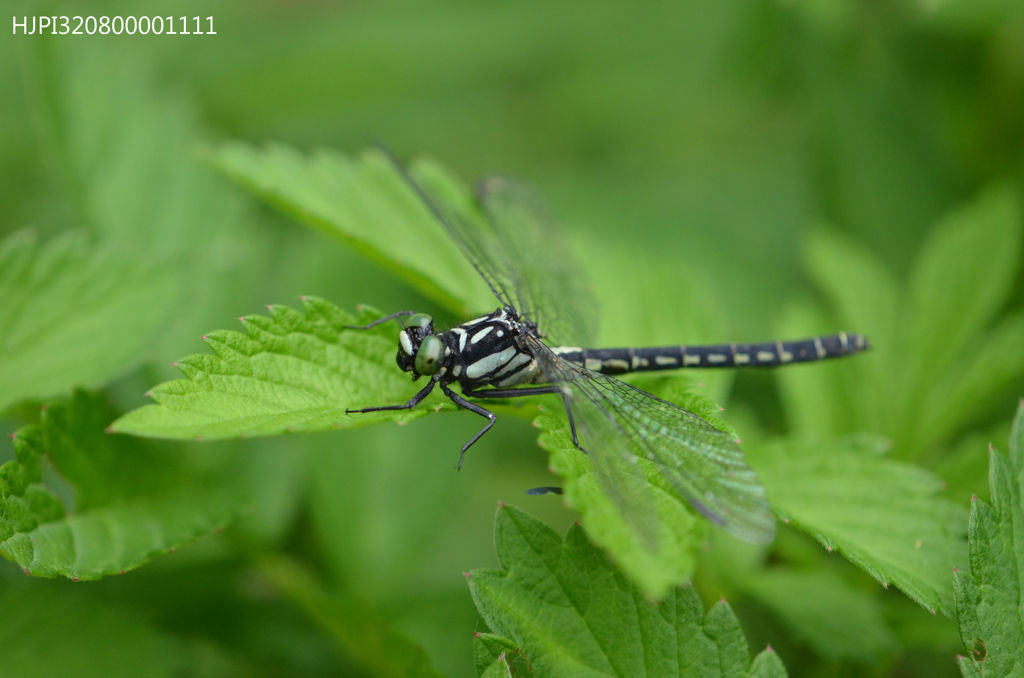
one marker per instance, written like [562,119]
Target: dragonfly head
[419,349]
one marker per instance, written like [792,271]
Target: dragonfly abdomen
[766,354]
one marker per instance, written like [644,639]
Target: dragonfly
[532,344]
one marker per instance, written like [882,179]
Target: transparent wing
[521,254]
[478,246]
[549,286]
[616,423]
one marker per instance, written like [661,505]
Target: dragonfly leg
[413,402]
[510,392]
[378,322]
[540,390]
[572,424]
[472,407]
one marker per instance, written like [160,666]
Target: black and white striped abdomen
[767,354]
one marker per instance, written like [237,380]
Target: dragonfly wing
[472,235]
[550,287]
[519,251]
[618,422]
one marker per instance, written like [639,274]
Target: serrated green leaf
[885,516]
[767,665]
[988,598]
[573,614]
[74,315]
[133,502]
[119,537]
[656,567]
[364,203]
[498,669]
[489,650]
[837,620]
[24,503]
[292,372]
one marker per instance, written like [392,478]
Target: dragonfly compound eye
[421,320]
[428,358]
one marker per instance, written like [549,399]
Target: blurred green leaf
[917,629]
[74,315]
[971,16]
[573,614]
[380,500]
[885,516]
[49,633]
[117,146]
[816,396]
[964,467]
[366,204]
[101,467]
[355,627]
[960,279]
[868,299]
[276,477]
[624,277]
[293,372]
[859,286]
[119,143]
[837,620]
[988,598]
[133,503]
[967,265]
[964,390]
[938,357]
[396,524]
[118,537]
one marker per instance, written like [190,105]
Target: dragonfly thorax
[490,351]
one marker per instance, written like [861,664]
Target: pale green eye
[428,358]
[419,320]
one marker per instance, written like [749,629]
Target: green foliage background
[737,170]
